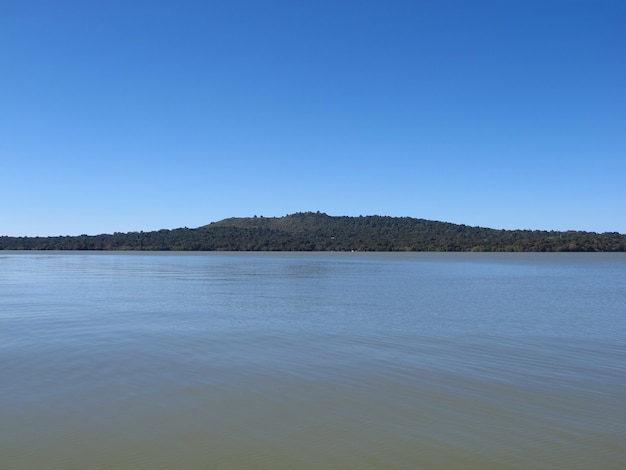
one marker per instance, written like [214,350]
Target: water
[301,360]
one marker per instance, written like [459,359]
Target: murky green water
[329,361]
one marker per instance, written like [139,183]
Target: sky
[120,116]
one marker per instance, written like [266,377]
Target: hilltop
[316,231]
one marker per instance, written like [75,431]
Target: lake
[312,360]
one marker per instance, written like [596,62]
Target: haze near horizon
[129,116]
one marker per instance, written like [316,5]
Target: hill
[310,231]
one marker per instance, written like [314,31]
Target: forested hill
[311,231]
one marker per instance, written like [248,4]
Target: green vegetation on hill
[311,231]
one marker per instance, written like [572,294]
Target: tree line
[315,231]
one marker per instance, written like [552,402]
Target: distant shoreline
[315,231]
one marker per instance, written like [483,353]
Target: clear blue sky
[141,115]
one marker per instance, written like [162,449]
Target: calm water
[302,361]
